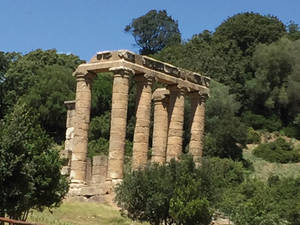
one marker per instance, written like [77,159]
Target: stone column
[118,123]
[82,119]
[176,117]
[197,125]
[160,127]
[66,154]
[142,124]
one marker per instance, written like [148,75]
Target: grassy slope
[81,213]
[264,169]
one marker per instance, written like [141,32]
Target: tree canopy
[154,31]
[29,165]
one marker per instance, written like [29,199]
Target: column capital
[82,74]
[121,71]
[160,94]
[145,78]
[179,88]
[199,95]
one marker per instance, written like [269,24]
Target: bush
[277,151]
[178,192]
[259,122]
[253,136]
[291,131]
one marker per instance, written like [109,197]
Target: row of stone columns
[167,130]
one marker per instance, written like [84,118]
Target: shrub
[277,151]
[291,131]
[260,122]
[178,192]
[253,136]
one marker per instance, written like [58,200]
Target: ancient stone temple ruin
[94,178]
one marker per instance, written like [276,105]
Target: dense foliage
[154,31]
[178,192]
[278,151]
[29,166]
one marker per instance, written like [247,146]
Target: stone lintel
[138,69]
[152,64]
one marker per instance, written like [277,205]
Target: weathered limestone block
[197,125]
[99,169]
[81,124]
[176,117]
[141,136]
[118,122]
[88,176]
[160,127]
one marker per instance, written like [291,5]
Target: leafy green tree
[249,29]
[293,31]
[154,31]
[54,86]
[29,166]
[235,41]
[273,89]
[5,60]
[44,80]
[223,129]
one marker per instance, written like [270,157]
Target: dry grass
[264,169]
[81,213]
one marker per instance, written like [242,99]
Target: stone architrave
[142,125]
[160,127]
[176,117]
[118,123]
[81,125]
[197,125]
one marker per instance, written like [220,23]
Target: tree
[249,29]
[154,31]
[55,84]
[44,80]
[29,166]
[273,90]
[293,31]
[5,60]
[235,41]
[225,133]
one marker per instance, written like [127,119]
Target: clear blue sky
[84,27]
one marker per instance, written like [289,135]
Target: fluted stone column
[81,126]
[176,117]
[160,127]
[197,125]
[143,111]
[118,123]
